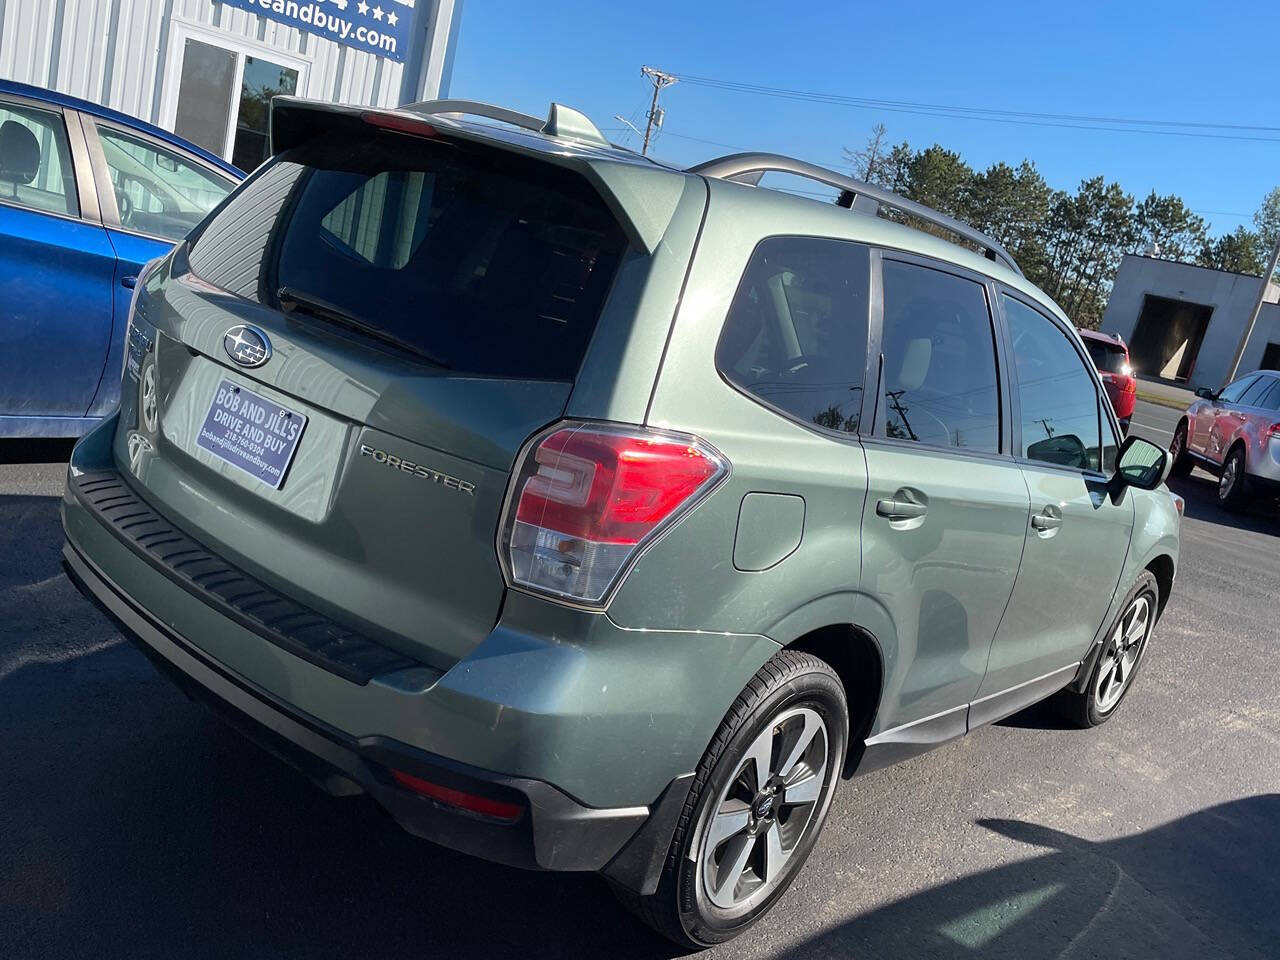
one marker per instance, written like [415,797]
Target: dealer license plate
[255,435]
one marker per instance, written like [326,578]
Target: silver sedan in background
[1235,434]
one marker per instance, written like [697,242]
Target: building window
[224,97]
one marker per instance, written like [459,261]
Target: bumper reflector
[472,803]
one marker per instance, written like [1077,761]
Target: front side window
[796,333]
[1059,402]
[157,190]
[940,383]
[1232,392]
[35,163]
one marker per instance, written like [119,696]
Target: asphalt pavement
[133,824]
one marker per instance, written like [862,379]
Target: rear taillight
[587,498]
[1273,431]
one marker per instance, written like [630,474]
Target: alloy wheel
[1230,473]
[1122,653]
[761,817]
[148,398]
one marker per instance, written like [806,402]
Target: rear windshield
[1107,357]
[472,259]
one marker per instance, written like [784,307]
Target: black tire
[678,909]
[1086,708]
[1178,452]
[1232,493]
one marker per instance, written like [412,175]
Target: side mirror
[1140,464]
[1205,393]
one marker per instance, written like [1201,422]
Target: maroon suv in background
[1111,357]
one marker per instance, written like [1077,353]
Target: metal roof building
[1183,322]
[206,68]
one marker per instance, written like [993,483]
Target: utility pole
[1253,317]
[659,80]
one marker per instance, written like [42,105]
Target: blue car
[87,196]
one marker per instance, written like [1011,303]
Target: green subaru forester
[591,514]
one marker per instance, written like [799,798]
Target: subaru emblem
[246,345]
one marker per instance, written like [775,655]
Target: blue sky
[1171,61]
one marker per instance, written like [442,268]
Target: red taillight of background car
[588,497]
[1273,431]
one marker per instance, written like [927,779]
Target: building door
[1270,357]
[1166,339]
[219,92]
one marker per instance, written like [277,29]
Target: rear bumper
[591,728]
[1263,465]
[552,832]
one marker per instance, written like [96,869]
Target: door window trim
[102,172]
[1073,338]
[876,416]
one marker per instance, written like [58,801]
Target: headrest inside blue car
[19,153]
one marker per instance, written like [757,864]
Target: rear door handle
[892,509]
[129,282]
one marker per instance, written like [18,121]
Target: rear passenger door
[56,267]
[944,522]
[1077,538]
[151,195]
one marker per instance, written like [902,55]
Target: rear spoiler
[641,195]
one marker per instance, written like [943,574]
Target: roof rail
[561,121]
[859,196]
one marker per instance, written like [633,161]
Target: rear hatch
[347,358]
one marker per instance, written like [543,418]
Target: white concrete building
[1183,323]
[204,68]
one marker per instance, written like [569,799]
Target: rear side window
[1253,396]
[796,333]
[35,164]
[1059,404]
[940,383]
[473,259]
[1271,399]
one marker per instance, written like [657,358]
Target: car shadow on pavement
[35,451]
[1200,491]
[1204,885]
[134,824]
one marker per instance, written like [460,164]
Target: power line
[995,115]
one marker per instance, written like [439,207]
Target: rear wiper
[294,301]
